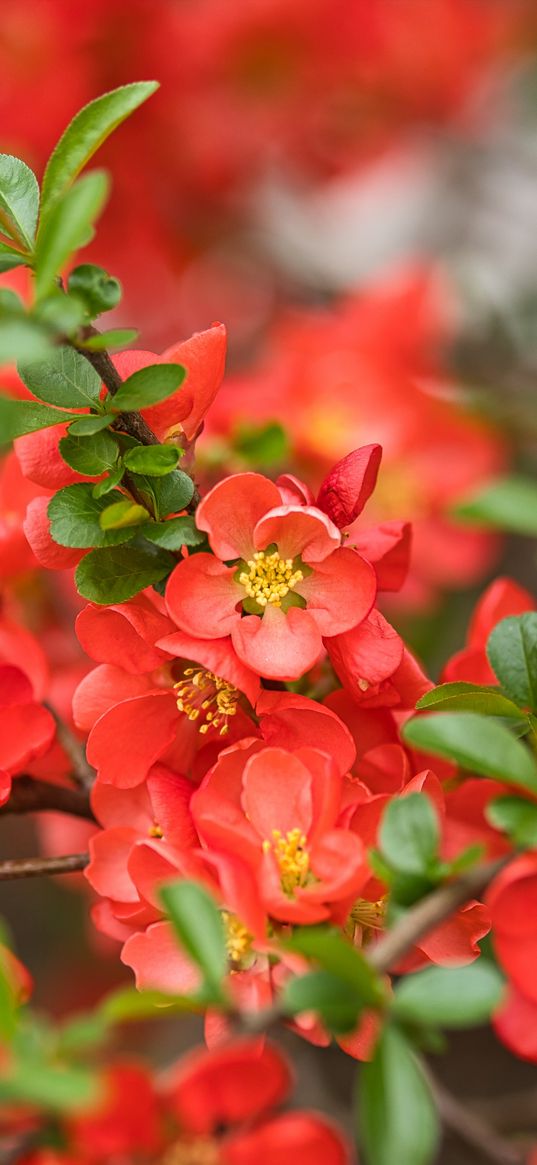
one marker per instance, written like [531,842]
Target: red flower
[289,576]
[502,598]
[512,900]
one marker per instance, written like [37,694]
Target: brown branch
[83,774]
[35,867]
[430,912]
[28,795]
[472,1129]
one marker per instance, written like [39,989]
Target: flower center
[292,858]
[369,915]
[238,940]
[195,1151]
[269,578]
[203,696]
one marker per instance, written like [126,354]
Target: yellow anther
[204,696]
[369,915]
[292,858]
[193,1151]
[238,940]
[269,578]
[155,830]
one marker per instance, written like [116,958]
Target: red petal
[129,738]
[349,484]
[231,510]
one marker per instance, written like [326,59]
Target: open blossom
[279,580]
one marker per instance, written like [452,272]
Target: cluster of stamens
[238,939]
[292,858]
[206,697]
[369,915]
[193,1151]
[269,578]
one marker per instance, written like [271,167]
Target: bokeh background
[351,187]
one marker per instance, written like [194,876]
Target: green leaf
[152,460]
[122,514]
[147,387]
[516,817]
[22,338]
[98,290]
[198,924]
[398,1124]
[108,483]
[118,573]
[477,743]
[19,200]
[464,697]
[61,312]
[67,228]
[335,1001]
[508,504]
[174,533]
[65,379]
[82,1034]
[410,834]
[87,131]
[128,1004]
[87,426]
[115,338]
[452,997]
[262,445]
[92,455]
[327,946]
[74,518]
[172,493]
[512,653]
[50,1087]
[9,258]
[18,417]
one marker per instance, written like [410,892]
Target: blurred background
[350,186]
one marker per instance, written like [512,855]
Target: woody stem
[35,867]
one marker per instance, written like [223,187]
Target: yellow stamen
[238,940]
[269,578]
[292,858]
[369,915]
[155,830]
[204,696]
[193,1151]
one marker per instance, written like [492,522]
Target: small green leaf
[87,131]
[147,387]
[19,200]
[74,518]
[512,652]
[398,1124]
[327,946]
[172,493]
[18,417]
[50,1087]
[264,445]
[63,313]
[108,483]
[464,697]
[452,997]
[98,290]
[152,460]
[64,379]
[82,1034]
[118,573]
[128,1004]
[67,228]
[410,834]
[335,1001]
[22,338]
[122,514]
[174,533]
[516,817]
[115,338]
[87,426]
[198,924]
[92,455]
[510,503]
[9,258]
[477,743]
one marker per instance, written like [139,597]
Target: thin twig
[36,867]
[83,773]
[472,1129]
[29,795]
[429,913]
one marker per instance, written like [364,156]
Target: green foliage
[117,573]
[107,484]
[87,426]
[67,228]
[61,312]
[74,515]
[65,379]
[98,290]
[147,387]
[128,1005]
[328,948]
[19,201]
[516,817]
[23,338]
[409,834]
[510,503]
[9,258]
[175,533]
[49,1086]
[122,514]
[449,997]
[91,455]
[18,417]
[464,697]
[200,930]
[512,652]
[397,1117]
[152,460]
[478,743]
[87,131]
[116,338]
[337,1003]
[263,445]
